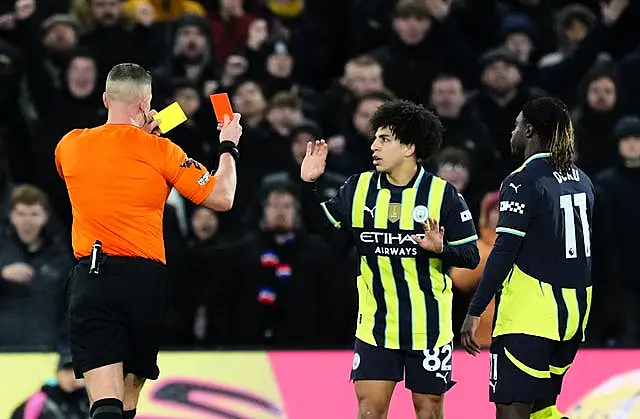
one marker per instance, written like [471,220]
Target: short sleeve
[337,208]
[518,198]
[190,178]
[57,158]
[457,220]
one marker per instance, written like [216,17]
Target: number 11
[567,203]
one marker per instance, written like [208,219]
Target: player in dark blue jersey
[542,262]
[408,226]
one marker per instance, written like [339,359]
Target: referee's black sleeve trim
[497,269]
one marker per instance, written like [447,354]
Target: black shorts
[427,372]
[118,316]
[525,369]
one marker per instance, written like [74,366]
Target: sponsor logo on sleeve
[204,179]
[512,206]
[188,162]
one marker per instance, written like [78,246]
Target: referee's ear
[105,100]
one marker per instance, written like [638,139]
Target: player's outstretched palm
[314,161]
[433,240]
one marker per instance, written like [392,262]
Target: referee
[119,176]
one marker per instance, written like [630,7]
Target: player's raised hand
[433,240]
[468,334]
[314,161]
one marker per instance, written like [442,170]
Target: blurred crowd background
[298,70]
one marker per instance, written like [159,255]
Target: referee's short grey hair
[128,82]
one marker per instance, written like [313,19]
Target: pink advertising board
[315,385]
[308,382]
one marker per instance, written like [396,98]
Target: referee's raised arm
[118,177]
[221,197]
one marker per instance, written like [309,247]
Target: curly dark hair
[550,118]
[411,123]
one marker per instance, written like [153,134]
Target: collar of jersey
[530,159]
[536,156]
[416,182]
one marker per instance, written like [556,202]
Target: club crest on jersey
[394,212]
[420,214]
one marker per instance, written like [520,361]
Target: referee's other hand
[230,129]
[151,126]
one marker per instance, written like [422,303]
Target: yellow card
[171,117]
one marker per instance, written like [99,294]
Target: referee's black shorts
[118,316]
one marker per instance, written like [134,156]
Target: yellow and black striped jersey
[405,295]
[542,256]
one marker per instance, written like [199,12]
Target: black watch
[229,147]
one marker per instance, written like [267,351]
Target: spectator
[278,68]
[362,75]
[464,129]
[284,112]
[454,166]
[64,397]
[34,264]
[424,43]
[285,284]
[574,21]
[13,127]
[235,67]
[350,152]
[540,12]
[328,185]
[594,120]
[249,100]
[75,104]
[192,59]
[500,99]
[105,24]
[197,135]
[229,29]
[258,34]
[520,34]
[617,196]
[47,48]
[6,187]
[290,21]
[628,71]
[202,303]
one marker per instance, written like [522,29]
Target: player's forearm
[498,266]
[463,256]
[223,193]
[317,221]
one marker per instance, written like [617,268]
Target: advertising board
[315,385]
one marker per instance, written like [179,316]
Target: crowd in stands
[298,70]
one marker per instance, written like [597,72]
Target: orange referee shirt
[118,178]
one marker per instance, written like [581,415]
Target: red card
[221,106]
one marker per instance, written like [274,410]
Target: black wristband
[229,147]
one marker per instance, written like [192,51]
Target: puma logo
[493,386]
[444,377]
[370,211]
[515,188]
